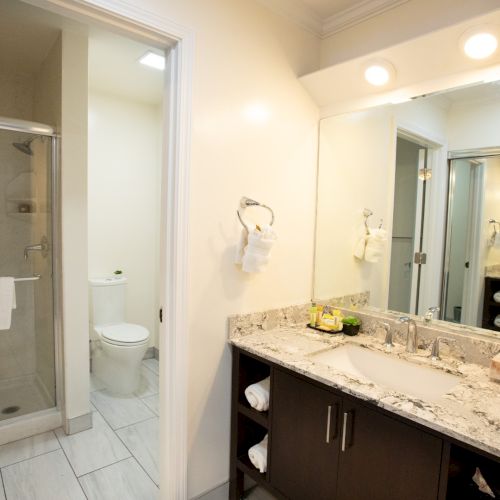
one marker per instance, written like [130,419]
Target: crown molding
[357,14]
[297,12]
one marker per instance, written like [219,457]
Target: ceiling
[327,8]
[114,68]
[327,17]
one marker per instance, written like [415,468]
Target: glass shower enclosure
[28,176]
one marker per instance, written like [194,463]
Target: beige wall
[244,56]
[407,21]
[74,223]
[124,198]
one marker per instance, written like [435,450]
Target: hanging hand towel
[7,302]
[256,252]
[359,249]
[258,455]
[258,395]
[375,245]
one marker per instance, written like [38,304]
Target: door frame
[133,21]
[435,207]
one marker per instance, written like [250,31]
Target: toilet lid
[125,333]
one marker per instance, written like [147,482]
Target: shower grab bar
[35,277]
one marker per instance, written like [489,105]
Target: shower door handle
[42,247]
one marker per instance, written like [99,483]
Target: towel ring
[248,202]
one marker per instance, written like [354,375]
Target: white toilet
[118,347]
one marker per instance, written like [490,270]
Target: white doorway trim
[134,21]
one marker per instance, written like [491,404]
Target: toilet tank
[107,298]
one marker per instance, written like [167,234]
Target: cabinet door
[305,439]
[384,459]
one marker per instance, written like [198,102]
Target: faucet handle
[388,334]
[435,346]
[429,315]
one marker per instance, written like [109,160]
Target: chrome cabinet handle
[344,431]
[328,420]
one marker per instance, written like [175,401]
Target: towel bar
[35,277]
[248,202]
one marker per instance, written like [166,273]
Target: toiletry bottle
[313,314]
[319,314]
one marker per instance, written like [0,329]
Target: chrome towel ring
[248,202]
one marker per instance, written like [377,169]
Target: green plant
[118,271]
[351,320]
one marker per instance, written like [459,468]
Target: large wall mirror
[409,206]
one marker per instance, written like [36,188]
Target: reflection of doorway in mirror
[407,256]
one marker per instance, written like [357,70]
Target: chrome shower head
[24,147]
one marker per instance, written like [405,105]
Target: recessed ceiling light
[378,72]
[479,44]
[153,60]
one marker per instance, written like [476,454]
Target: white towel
[359,249]
[496,240]
[375,245]
[258,455]
[7,302]
[258,395]
[254,248]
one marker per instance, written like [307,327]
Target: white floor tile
[153,364]
[153,403]
[27,448]
[93,449]
[143,441]
[149,383]
[47,477]
[122,481]
[120,411]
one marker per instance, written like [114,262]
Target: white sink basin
[388,371]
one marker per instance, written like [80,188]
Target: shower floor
[21,396]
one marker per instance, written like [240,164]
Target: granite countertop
[470,412]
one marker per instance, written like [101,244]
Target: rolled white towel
[258,395]
[375,245]
[258,455]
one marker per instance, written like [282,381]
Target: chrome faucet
[429,315]
[42,247]
[411,336]
[388,335]
[435,346]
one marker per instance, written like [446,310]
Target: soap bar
[495,368]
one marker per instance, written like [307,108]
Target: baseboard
[220,492]
[152,353]
[78,424]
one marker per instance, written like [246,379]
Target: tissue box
[495,368]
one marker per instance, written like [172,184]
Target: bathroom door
[408,226]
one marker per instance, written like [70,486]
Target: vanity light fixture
[153,60]
[479,43]
[379,72]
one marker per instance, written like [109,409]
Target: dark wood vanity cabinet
[384,459]
[305,444]
[327,447]
[325,444]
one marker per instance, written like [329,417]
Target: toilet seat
[124,334]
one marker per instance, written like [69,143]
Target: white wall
[246,60]
[124,196]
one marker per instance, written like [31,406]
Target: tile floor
[115,460]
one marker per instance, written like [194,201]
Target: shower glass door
[27,348]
